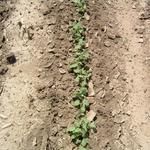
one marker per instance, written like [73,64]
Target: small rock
[133,7]
[91,91]
[111,36]
[91,115]
[3,70]
[62,71]
[140,40]
[107,43]
[51,51]
[11,58]
[48,65]
[60,65]
[87,17]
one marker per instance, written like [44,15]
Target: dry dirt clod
[11,59]
[87,17]
[91,91]
[91,115]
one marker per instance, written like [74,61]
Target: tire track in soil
[135,34]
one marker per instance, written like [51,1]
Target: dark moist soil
[105,48]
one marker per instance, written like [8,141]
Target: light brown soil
[36,91]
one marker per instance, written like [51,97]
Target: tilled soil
[36,89]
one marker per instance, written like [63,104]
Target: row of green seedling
[81,127]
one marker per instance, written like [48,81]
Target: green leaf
[71,129]
[77,103]
[82,148]
[83,109]
[86,103]
[77,130]
[73,137]
[77,70]
[73,65]
[92,125]
[84,142]
[77,142]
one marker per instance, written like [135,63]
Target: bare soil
[36,89]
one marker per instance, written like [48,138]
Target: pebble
[91,91]
[91,115]
[111,36]
[87,17]
[62,71]
[140,40]
[107,44]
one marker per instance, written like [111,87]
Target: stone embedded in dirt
[11,59]
[107,44]
[91,91]
[91,115]
[3,70]
[62,71]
